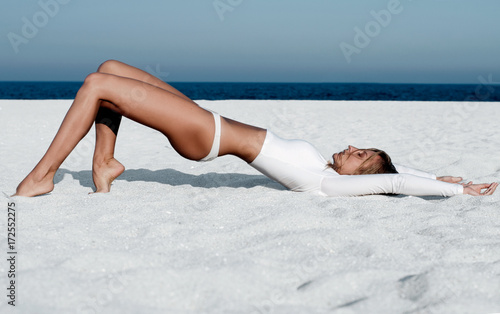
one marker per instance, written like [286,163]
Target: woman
[117,90]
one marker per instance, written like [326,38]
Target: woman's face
[348,161]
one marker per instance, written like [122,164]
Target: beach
[178,236]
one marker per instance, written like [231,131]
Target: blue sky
[382,41]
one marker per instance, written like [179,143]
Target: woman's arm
[449,179]
[388,184]
[400,184]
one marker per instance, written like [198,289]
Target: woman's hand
[449,179]
[475,189]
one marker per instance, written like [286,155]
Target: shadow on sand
[176,178]
[207,180]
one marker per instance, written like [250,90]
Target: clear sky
[382,41]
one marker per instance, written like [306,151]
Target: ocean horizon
[279,91]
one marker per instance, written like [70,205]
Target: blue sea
[283,91]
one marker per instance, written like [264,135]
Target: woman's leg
[189,128]
[105,168]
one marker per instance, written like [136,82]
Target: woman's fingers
[491,189]
[475,189]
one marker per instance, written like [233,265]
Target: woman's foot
[34,185]
[105,172]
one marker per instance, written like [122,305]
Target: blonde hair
[371,165]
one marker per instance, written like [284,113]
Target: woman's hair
[378,163]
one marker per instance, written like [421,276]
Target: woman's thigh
[189,128]
[122,69]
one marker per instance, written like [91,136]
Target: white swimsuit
[214,152]
[297,165]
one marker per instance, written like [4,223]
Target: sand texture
[177,236]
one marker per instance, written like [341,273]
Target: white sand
[176,236]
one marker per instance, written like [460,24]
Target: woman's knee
[94,84]
[109,66]
[103,86]
[93,80]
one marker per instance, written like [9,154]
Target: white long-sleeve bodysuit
[297,165]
